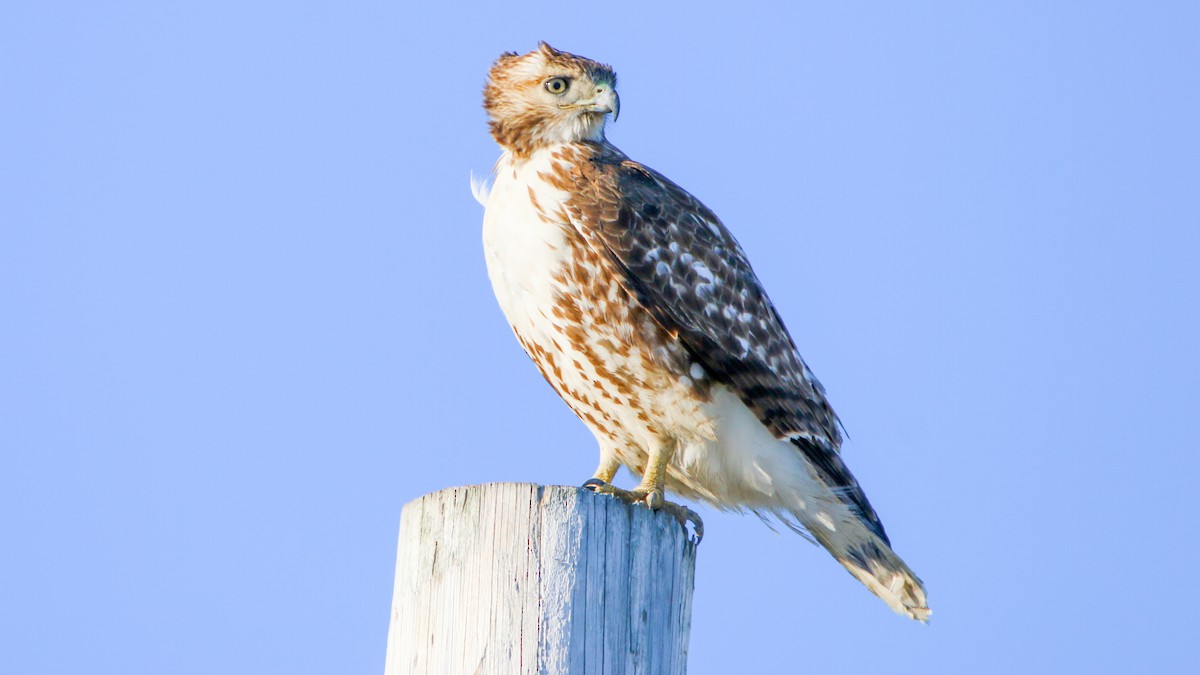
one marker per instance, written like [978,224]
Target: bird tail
[846,525]
[876,565]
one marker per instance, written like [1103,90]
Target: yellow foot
[654,500]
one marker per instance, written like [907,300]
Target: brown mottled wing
[689,271]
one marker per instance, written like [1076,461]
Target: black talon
[681,513]
[685,515]
[697,525]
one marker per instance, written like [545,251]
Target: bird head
[547,97]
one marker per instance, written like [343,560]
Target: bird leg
[606,471]
[650,491]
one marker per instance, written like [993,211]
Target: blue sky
[246,318]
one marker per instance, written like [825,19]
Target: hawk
[642,311]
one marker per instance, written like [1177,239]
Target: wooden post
[510,578]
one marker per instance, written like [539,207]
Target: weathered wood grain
[511,578]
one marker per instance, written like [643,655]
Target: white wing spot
[716,229]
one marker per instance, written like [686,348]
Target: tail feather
[869,558]
[840,517]
[886,575]
[828,467]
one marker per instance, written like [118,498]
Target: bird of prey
[642,311]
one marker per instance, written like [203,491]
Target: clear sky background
[244,318]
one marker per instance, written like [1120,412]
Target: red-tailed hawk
[643,313]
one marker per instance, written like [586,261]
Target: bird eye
[557,85]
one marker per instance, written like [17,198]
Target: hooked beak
[605,101]
[611,101]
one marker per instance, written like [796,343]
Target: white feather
[480,189]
